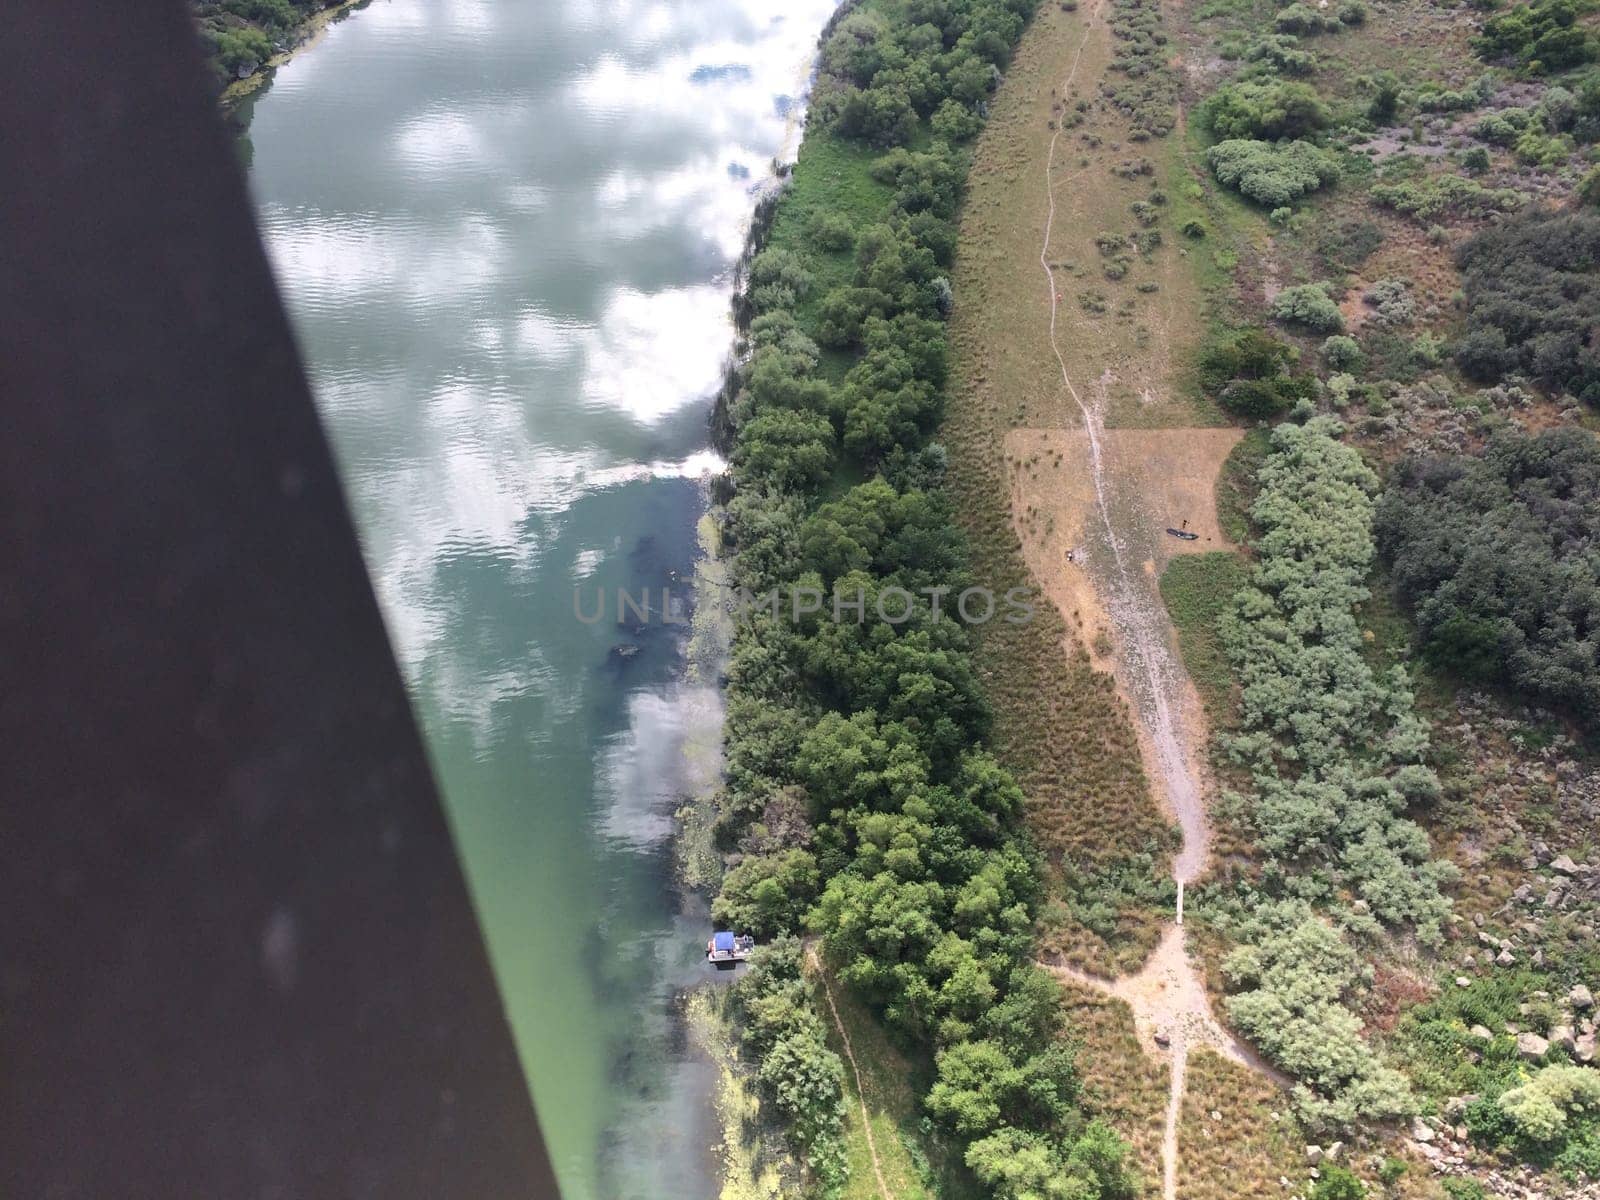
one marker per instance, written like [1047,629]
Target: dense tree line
[1499,557]
[859,803]
[1533,301]
[241,35]
[1542,37]
[1335,753]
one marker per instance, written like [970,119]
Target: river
[504,229]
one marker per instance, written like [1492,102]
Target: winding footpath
[1168,998]
[850,1056]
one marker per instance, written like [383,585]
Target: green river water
[505,230]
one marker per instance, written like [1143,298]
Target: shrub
[1271,175]
[1333,765]
[1308,306]
[1342,353]
[1338,1183]
[1347,244]
[1282,53]
[1298,18]
[1539,1108]
[1498,557]
[1291,976]
[1391,302]
[1264,110]
[1542,36]
[831,231]
[1533,301]
[1445,195]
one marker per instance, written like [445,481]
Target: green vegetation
[1439,196]
[1197,590]
[1249,375]
[860,798]
[1147,93]
[797,1072]
[1335,750]
[1533,303]
[1271,174]
[1310,307]
[1541,37]
[1335,756]
[1499,557]
[1265,110]
[242,34]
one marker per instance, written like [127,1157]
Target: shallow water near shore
[505,232]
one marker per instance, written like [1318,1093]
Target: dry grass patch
[1123,1084]
[1060,724]
[1250,1145]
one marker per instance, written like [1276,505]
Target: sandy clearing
[1147,480]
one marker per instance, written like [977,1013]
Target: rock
[1561,1036]
[1215,1115]
[1333,1151]
[1584,1048]
[1552,898]
[1313,1155]
[1463,981]
[1531,1046]
[1564,866]
[1481,1033]
[1421,1131]
[1580,997]
[1163,1040]
[1505,958]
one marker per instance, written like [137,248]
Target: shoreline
[307,35]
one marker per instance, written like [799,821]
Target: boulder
[1481,1033]
[1580,997]
[1421,1131]
[1584,1048]
[1313,1155]
[1505,958]
[1531,1046]
[1562,1036]
[1564,866]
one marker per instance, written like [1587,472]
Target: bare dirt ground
[1157,479]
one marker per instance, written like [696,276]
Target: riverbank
[513,358]
[305,35]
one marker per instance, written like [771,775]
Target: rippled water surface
[504,228]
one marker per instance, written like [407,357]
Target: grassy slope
[1060,725]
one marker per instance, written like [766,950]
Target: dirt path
[1167,995]
[861,1095]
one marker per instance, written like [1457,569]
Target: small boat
[1184,534]
[726,948]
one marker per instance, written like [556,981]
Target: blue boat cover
[723,942]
